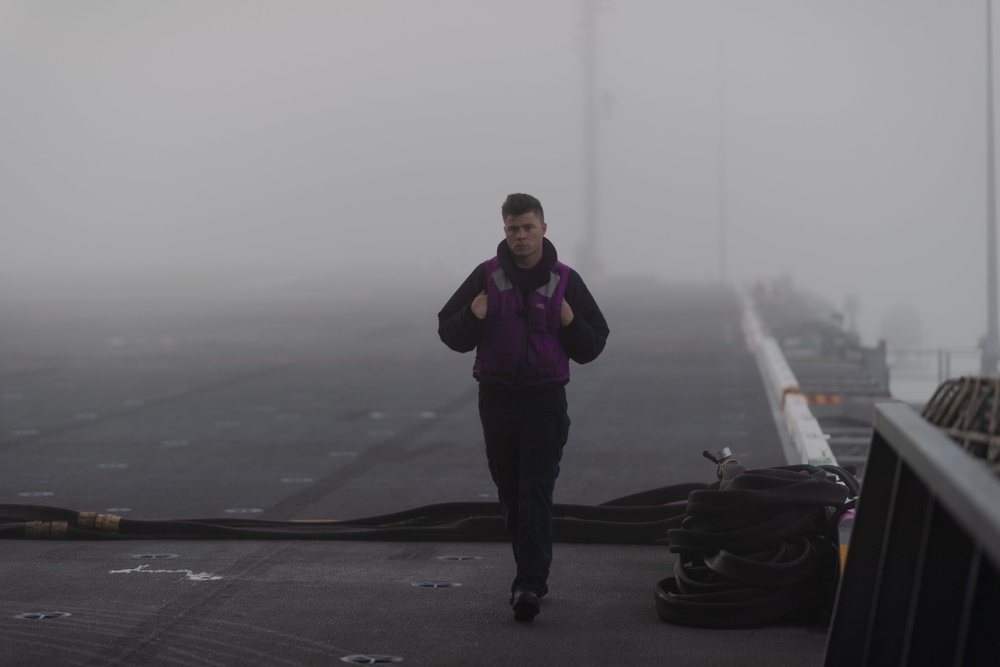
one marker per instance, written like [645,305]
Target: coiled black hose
[757,547]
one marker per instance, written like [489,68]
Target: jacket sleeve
[458,328]
[586,335]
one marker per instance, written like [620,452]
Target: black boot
[525,605]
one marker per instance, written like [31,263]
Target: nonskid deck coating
[322,410]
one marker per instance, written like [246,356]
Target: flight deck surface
[324,409]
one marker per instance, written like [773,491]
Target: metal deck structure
[921,581]
[839,379]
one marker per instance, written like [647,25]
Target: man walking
[526,314]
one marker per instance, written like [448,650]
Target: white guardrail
[803,430]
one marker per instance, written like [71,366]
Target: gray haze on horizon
[350,140]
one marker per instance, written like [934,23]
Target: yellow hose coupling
[106,522]
[46,530]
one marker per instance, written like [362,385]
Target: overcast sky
[291,139]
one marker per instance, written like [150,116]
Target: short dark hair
[519,204]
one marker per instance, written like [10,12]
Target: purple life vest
[520,343]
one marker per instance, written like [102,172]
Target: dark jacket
[583,339]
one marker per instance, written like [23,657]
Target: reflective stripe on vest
[503,283]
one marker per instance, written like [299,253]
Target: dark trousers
[525,429]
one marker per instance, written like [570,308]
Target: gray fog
[244,147]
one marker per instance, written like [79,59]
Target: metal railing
[915,373]
[941,363]
[921,584]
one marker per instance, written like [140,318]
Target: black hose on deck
[753,548]
[620,521]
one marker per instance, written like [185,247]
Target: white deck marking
[191,575]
